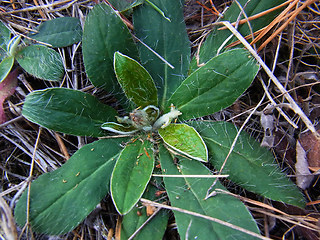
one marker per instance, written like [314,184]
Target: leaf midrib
[228,149]
[197,97]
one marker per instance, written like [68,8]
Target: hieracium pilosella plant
[157,142]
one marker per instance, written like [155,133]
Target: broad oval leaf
[185,140]
[4,36]
[168,39]
[249,165]
[59,32]
[216,38]
[61,199]
[135,81]
[131,175]
[41,62]
[5,67]
[104,33]
[68,111]
[132,221]
[189,193]
[216,85]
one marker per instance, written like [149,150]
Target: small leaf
[168,39]
[41,62]
[249,165]
[61,199]
[4,36]
[185,140]
[59,32]
[5,67]
[104,33]
[131,175]
[68,111]
[7,88]
[125,5]
[132,221]
[135,81]
[189,194]
[13,45]
[118,128]
[216,85]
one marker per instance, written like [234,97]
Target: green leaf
[125,5]
[68,111]
[4,36]
[3,54]
[131,175]
[135,81]
[249,165]
[61,199]
[41,62]
[216,85]
[216,38]
[168,39]
[104,34]
[137,216]
[13,46]
[118,128]
[185,140]
[5,67]
[59,32]
[189,193]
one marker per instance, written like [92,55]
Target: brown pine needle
[13,5]
[62,146]
[258,15]
[246,37]
[123,18]
[118,229]
[213,10]
[285,14]
[293,16]
[275,21]
[40,11]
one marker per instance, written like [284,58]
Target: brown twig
[62,146]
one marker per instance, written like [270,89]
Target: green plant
[161,129]
[59,32]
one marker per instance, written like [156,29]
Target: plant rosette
[160,134]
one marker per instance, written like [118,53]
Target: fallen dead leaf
[312,147]
[304,177]
[7,88]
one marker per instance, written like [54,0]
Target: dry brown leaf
[7,88]
[7,223]
[312,146]
[304,177]
[267,122]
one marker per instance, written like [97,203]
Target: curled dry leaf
[304,176]
[268,126]
[7,223]
[312,147]
[7,88]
